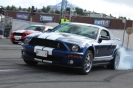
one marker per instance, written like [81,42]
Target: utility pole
[63,8]
[124,21]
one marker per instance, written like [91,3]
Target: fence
[114,23]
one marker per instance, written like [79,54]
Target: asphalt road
[14,73]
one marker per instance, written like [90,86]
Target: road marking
[9,70]
[13,70]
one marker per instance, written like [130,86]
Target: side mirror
[103,38]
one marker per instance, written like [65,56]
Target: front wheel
[29,62]
[87,63]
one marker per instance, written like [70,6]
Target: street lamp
[124,21]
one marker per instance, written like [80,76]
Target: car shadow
[51,68]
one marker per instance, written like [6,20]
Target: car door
[103,48]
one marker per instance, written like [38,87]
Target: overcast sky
[115,7]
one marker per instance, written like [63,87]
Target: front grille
[47,43]
[19,34]
[18,40]
[49,58]
[31,54]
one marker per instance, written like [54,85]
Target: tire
[29,62]
[87,63]
[115,62]
[15,42]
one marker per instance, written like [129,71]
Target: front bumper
[59,57]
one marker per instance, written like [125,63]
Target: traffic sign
[129,30]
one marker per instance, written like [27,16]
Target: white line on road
[13,70]
[8,70]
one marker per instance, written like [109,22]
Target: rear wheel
[87,63]
[29,62]
[115,62]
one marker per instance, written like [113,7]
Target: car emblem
[58,45]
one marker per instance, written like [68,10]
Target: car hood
[26,31]
[64,37]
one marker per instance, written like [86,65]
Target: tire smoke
[126,59]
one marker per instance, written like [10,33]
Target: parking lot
[14,73]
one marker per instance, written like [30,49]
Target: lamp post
[63,8]
[124,21]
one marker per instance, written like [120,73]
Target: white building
[95,15]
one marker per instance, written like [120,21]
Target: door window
[104,33]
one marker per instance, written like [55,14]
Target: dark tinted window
[36,28]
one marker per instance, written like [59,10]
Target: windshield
[83,30]
[35,28]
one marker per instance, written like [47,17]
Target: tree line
[44,9]
[47,9]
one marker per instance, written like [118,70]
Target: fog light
[71,61]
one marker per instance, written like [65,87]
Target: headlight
[75,48]
[27,40]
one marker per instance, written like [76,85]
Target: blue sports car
[71,44]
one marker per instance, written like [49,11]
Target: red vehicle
[19,35]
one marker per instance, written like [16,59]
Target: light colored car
[19,35]
[77,45]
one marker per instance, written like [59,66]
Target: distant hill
[58,6]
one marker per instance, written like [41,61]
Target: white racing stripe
[43,36]
[50,36]
[38,47]
[49,50]
[53,37]
[34,34]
